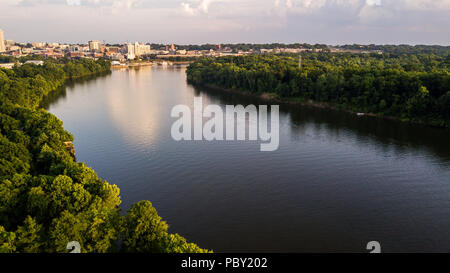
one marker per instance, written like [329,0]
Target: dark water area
[336,182]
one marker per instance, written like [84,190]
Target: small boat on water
[360,114]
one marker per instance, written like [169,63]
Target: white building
[128,50]
[7,65]
[141,49]
[38,44]
[13,48]
[2,42]
[94,45]
[9,42]
[34,62]
[53,44]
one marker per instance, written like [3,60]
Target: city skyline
[228,21]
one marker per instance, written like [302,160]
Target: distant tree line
[46,198]
[402,49]
[412,87]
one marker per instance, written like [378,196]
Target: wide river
[336,182]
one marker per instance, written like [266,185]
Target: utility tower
[300,61]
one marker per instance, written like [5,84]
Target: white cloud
[373,2]
[237,20]
[204,5]
[187,8]
[199,6]
[289,4]
[73,2]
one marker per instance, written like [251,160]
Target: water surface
[336,182]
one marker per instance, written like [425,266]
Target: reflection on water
[336,182]
[60,93]
[384,132]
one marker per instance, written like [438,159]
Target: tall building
[141,49]
[2,42]
[94,45]
[128,49]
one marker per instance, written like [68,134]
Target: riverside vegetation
[46,198]
[411,84]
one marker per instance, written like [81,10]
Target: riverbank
[378,87]
[156,62]
[275,99]
[127,65]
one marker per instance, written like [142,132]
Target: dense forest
[411,87]
[47,199]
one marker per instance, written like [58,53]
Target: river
[336,182]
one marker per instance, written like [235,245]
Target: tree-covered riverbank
[46,198]
[408,87]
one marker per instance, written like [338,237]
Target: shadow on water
[388,133]
[61,92]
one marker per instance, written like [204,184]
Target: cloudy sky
[223,21]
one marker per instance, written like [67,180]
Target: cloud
[30,3]
[373,2]
[86,3]
[188,9]
[204,5]
[201,6]
[74,2]
[424,21]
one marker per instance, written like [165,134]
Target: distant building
[113,49]
[76,54]
[15,53]
[63,47]
[12,48]
[34,62]
[2,42]
[117,57]
[38,44]
[27,50]
[74,48]
[94,46]
[7,65]
[9,42]
[53,44]
[128,51]
[141,49]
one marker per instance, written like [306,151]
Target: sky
[228,21]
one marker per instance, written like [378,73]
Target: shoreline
[270,97]
[132,65]
[156,62]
